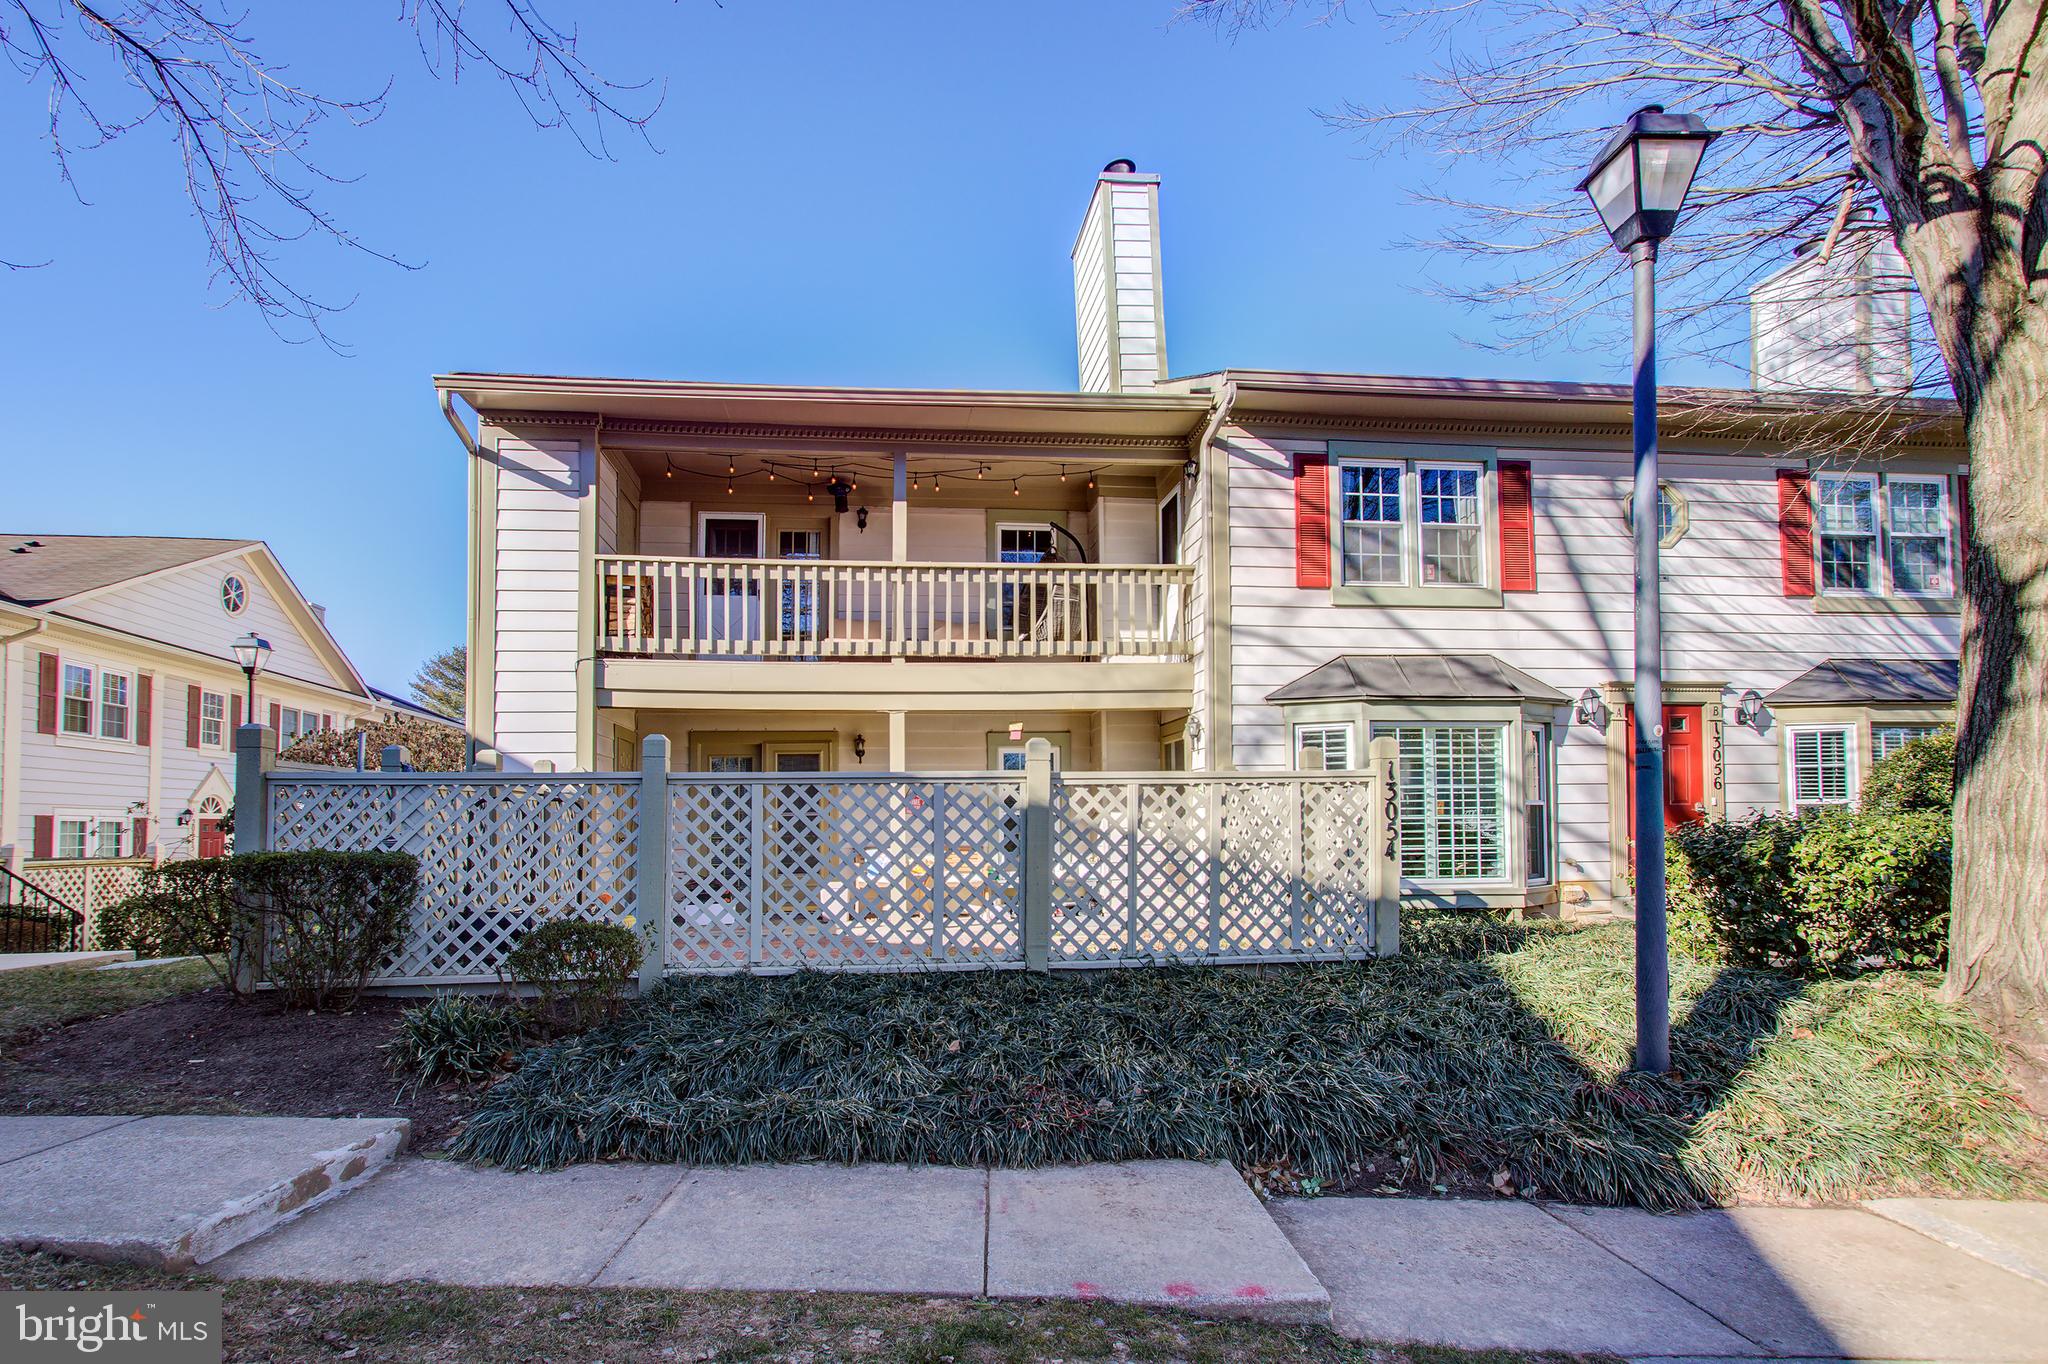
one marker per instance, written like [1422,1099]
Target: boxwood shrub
[327,920]
[1920,775]
[182,909]
[576,969]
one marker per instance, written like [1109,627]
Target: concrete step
[176,1191]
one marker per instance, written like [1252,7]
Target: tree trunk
[1998,946]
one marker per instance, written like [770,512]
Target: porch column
[899,510]
[899,741]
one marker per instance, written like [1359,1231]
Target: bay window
[1332,743]
[1453,800]
[1884,535]
[1886,740]
[1536,778]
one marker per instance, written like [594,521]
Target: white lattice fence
[843,871]
[87,885]
[498,854]
[1226,869]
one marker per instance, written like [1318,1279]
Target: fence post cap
[653,748]
[396,758]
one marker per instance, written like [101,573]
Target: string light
[1015,491]
[730,470]
[771,473]
[1091,483]
[728,487]
[981,471]
[1063,473]
[913,483]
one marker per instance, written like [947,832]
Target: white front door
[729,602]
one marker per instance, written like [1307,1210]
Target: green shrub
[1726,884]
[327,920]
[575,968]
[182,909]
[1920,775]
[456,1036]
[1826,892]
[1874,889]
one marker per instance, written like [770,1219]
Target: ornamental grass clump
[1511,1063]
[456,1037]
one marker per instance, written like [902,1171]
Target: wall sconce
[860,741]
[1749,710]
[1591,711]
[185,818]
[1190,469]
[1192,732]
[860,519]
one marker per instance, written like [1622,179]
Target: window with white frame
[1331,743]
[1884,535]
[83,835]
[296,724]
[1822,763]
[1453,799]
[95,702]
[1886,740]
[213,719]
[1536,775]
[1411,523]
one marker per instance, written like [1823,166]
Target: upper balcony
[805,609]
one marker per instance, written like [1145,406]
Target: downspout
[1214,558]
[476,579]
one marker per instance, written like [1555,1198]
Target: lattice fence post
[1037,888]
[650,839]
[1383,758]
[255,757]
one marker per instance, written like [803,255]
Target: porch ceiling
[1071,481]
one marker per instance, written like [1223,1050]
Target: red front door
[1685,785]
[212,842]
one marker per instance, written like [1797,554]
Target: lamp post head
[252,651]
[1641,177]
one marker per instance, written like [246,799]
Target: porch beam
[899,512]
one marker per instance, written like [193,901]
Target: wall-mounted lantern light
[860,748]
[1589,710]
[860,519]
[1749,710]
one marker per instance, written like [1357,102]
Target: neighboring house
[390,706]
[121,693]
[1237,570]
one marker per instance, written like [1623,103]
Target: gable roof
[1861,681]
[36,570]
[1417,677]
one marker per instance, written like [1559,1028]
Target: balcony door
[729,602]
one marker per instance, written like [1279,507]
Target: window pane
[71,838]
[108,844]
[1370,511]
[1333,742]
[1451,801]
[1372,553]
[1449,505]
[1847,506]
[1538,778]
[1845,563]
[1920,566]
[77,699]
[113,706]
[1372,493]
[1820,767]
[1886,740]
[213,709]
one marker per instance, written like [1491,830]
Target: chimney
[1117,318]
[1837,322]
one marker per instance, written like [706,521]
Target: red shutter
[326,721]
[1311,520]
[1966,525]
[276,718]
[234,720]
[1795,532]
[46,694]
[192,703]
[45,843]
[145,709]
[1517,528]
[140,842]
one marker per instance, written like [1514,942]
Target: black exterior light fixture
[252,651]
[1638,184]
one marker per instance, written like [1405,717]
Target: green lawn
[49,996]
[290,1322]
[1468,1059]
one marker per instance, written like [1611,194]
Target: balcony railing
[816,609]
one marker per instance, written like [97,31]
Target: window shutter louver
[139,844]
[1311,520]
[326,721]
[1517,527]
[276,718]
[191,717]
[1964,526]
[145,709]
[1795,532]
[46,693]
[44,843]
[234,720]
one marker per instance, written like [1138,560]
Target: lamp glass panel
[1612,190]
[1668,164]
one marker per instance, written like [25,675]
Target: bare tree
[244,129]
[1933,114]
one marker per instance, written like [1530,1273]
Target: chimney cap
[1123,165]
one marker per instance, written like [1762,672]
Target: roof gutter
[447,397]
[1219,411]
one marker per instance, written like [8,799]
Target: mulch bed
[203,1053]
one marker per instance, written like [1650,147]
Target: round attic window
[234,594]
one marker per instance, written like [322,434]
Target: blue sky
[881,193]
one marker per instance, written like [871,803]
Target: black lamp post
[252,651]
[1637,184]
